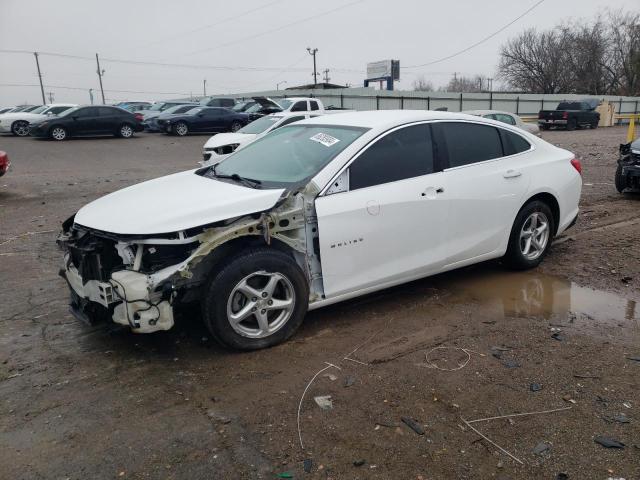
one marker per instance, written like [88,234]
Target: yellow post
[631,132]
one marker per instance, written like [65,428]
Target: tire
[571,124]
[620,180]
[241,286]
[235,126]
[594,125]
[58,133]
[545,127]
[181,129]
[526,250]
[20,128]
[125,131]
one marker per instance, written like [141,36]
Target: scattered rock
[626,280]
[562,476]
[567,398]
[413,425]
[541,448]
[558,336]
[324,402]
[330,376]
[607,442]
[359,463]
[535,387]
[511,363]
[349,381]
[621,418]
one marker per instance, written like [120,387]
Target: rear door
[85,121]
[383,219]
[486,183]
[109,119]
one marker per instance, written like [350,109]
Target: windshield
[288,155]
[68,112]
[241,107]
[260,125]
[284,103]
[179,108]
[158,106]
[40,109]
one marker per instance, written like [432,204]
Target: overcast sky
[268,35]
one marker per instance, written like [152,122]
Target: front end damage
[139,281]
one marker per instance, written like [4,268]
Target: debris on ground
[562,476]
[307,464]
[633,359]
[511,363]
[558,336]
[330,376]
[608,442]
[359,463]
[621,418]
[567,398]
[535,387]
[349,381]
[324,402]
[541,448]
[413,425]
[285,475]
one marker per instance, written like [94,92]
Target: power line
[277,29]
[479,42]
[65,87]
[211,25]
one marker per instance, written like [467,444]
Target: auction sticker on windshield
[324,139]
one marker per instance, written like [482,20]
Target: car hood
[267,102]
[173,203]
[227,138]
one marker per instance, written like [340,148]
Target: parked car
[628,170]
[570,115]
[134,106]
[506,117]
[218,102]
[5,163]
[222,144]
[159,107]
[150,117]
[203,119]
[88,120]
[18,122]
[6,109]
[244,106]
[317,212]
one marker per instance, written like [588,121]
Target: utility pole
[91,95]
[100,74]
[50,97]
[326,75]
[204,87]
[312,52]
[35,54]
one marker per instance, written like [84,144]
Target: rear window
[569,106]
[513,143]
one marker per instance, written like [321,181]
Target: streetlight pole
[204,87]
[312,52]
[280,83]
[44,101]
[100,73]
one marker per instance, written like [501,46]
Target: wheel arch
[552,202]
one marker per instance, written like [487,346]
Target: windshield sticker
[324,139]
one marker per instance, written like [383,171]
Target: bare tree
[476,83]
[624,51]
[421,84]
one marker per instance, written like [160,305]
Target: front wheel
[531,236]
[58,133]
[20,128]
[125,131]
[180,129]
[257,300]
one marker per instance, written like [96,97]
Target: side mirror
[49,113]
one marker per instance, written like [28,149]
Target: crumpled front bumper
[128,298]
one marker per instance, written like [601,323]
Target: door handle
[431,192]
[440,190]
[511,174]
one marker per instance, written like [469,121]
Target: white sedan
[506,117]
[222,144]
[18,122]
[317,212]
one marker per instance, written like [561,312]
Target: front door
[85,121]
[388,225]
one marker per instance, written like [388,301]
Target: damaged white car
[317,212]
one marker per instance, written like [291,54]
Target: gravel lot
[79,402]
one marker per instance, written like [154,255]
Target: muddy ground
[79,402]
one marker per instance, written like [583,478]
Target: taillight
[577,165]
[138,116]
[565,115]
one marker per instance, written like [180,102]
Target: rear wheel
[572,124]
[58,133]
[620,180]
[531,236]
[594,124]
[257,300]
[20,128]
[125,131]
[180,129]
[235,126]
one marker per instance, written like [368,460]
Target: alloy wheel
[260,304]
[59,133]
[21,129]
[126,131]
[534,235]
[181,129]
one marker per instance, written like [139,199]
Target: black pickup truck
[570,115]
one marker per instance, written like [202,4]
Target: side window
[291,120]
[405,153]
[56,110]
[468,143]
[299,106]
[504,118]
[87,112]
[513,143]
[314,105]
[107,112]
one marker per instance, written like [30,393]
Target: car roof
[487,112]
[387,118]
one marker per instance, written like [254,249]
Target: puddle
[532,294]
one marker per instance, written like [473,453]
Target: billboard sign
[384,69]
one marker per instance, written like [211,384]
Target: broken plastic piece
[324,402]
[413,425]
[607,442]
